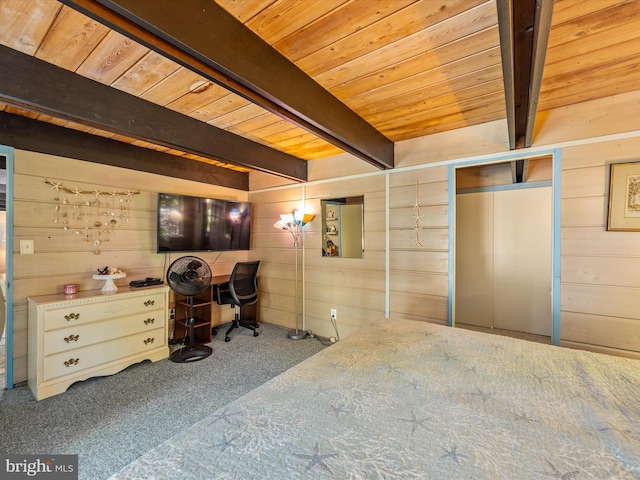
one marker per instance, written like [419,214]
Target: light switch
[26,247]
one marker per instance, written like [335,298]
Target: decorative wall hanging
[417,217]
[92,215]
[624,197]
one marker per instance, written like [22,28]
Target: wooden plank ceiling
[406,68]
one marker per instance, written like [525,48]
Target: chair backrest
[243,283]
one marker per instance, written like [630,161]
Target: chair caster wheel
[255,334]
[214,332]
[227,339]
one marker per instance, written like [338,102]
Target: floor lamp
[294,223]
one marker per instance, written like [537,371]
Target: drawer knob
[71,361]
[72,316]
[149,321]
[148,303]
[148,341]
[71,338]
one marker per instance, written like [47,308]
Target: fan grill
[189,276]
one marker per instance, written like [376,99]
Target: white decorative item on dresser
[76,337]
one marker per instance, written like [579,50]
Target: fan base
[187,355]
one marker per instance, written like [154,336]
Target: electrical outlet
[26,247]
[334,314]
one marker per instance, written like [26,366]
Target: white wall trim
[387,248]
[8,152]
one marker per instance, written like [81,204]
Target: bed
[406,399]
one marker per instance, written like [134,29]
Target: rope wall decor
[417,217]
[92,215]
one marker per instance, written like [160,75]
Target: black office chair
[242,289]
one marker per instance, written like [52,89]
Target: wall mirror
[343,227]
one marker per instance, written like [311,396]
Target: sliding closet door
[474,259]
[503,259]
[522,260]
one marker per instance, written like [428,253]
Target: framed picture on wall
[624,197]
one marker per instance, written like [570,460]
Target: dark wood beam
[524,27]
[519,170]
[33,84]
[203,37]
[544,12]
[27,134]
[507,53]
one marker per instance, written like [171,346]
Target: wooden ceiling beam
[524,27]
[544,12]
[33,84]
[33,135]
[205,38]
[519,171]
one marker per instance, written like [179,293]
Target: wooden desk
[219,280]
[204,312]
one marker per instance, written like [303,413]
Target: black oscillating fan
[189,276]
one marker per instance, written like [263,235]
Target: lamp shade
[280,225]
[307,217]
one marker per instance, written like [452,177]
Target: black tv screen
[197,224]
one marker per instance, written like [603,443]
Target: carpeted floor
[110,421]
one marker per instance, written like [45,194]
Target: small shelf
[202,314]
[197,303]
[199,322]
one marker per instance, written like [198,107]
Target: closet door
[474,259]
[503,259]
[522,260]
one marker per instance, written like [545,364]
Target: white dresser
[90,334]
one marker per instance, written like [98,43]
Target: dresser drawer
[76,360]
[83,335]
[79,314]
[91,334]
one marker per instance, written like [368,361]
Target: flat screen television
[198,224]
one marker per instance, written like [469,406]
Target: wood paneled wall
[274,248]
[418,263]
[600,272]
[61,256]
[355,287]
